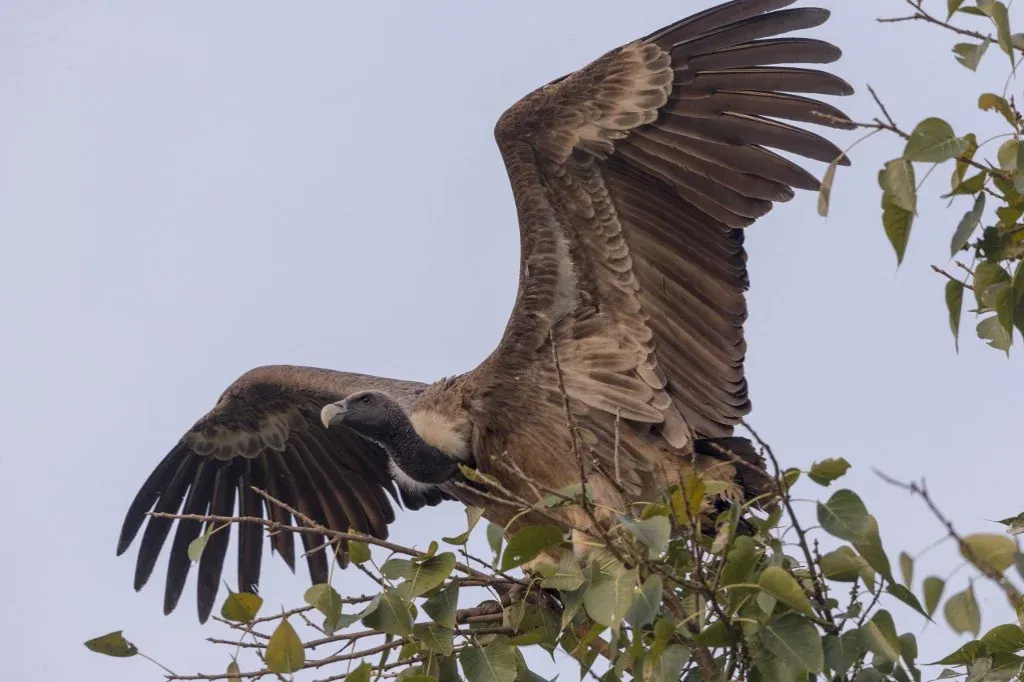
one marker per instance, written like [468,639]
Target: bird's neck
[416,458]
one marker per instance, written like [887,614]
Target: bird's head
[370,413]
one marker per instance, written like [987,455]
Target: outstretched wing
[633,178]
[265,431]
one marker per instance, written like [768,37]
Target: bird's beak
[332,414]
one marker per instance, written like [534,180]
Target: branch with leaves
[671,600]
[991,230]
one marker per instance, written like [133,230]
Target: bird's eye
[366,399]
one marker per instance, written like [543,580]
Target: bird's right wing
[633,177]
[265,431]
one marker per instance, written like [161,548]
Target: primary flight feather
[633,179]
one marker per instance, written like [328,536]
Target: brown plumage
[633,178]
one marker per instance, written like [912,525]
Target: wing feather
[633,179]
[250,535]
[265,431]
[197,502]
[171,495]
[211,562]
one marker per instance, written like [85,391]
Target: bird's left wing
[265,431]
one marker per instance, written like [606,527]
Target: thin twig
[921,490]
[816,579]
[951,278]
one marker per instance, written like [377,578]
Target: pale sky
[191,189]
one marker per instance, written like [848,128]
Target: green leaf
[784,587]
[494,537]
[897,180]
[897,223]
[391,615]
[907,569]
[795,640]
[968,224]
[608,598]
[968,653]
[962,612]
[435,638]
[571,603]
[528,543]
[1017,287]
[112,644]
[995,550]
[358,551]
[715,635]
[494,663]
[567,575]
[441,605]
[952,6]
[970,54]
[933,588]
[1000,17]
[908,647]
[1014,524]
[233,673]
[932,141]
[285,653]
[196,547]
[1006,638]
[825,191]
[828,470]
[645,603]
[653,532]
[395,568]
[906,596]
[241,607]
[842,651]
[991,330]
[687,501]
[431,551]
[422,577]
[985,275]
[954,304]
[324,599]
[880,637]
[992,102]
[844,565]
[1007,155]
[844,515]
[360,674]
[667,666]
[473,515]
[740,561]
[869,546]
[971,185]
[1000,295]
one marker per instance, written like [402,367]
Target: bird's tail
[750,465]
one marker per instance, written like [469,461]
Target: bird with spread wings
[634,178]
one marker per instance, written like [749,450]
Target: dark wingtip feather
[250,535]
[155,535]
[179,564]
[211,563]
[148,494]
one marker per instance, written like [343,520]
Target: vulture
[633,178]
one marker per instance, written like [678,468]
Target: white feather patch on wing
[567,295]
[442,433]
